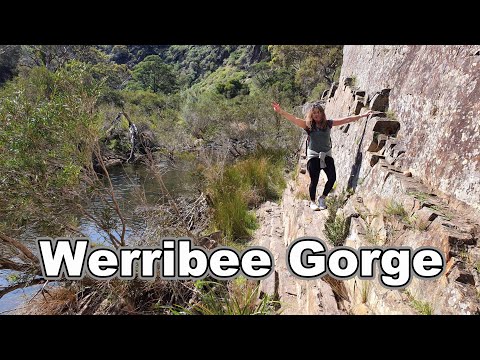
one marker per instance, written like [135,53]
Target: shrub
[337,230]
[43,113]
[242,186]
[336,226]
[238,297]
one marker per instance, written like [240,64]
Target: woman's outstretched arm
[292,118]
[346,120]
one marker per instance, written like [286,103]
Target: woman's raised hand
[276,107]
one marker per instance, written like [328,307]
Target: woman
[319,151]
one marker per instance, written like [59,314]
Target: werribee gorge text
[178,259]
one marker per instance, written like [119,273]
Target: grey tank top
[319,139]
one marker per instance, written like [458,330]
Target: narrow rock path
[296,296]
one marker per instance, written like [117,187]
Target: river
[135,186]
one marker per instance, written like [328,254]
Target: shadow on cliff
[355,171]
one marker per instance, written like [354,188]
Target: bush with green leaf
[42,154]
[336,226]
[238,297]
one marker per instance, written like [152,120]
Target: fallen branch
[19,246]
[11,265]
[9,289]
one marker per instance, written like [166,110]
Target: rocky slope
[280,225]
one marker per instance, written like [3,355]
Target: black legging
[313,167]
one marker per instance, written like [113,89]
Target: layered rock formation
[434,94]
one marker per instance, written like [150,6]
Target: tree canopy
[154,75]
[312,64]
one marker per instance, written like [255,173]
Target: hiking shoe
[314,206]
[321,203]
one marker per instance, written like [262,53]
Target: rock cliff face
[415,170]
[434,94]
[413,175]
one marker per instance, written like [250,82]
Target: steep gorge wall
[415,169]
[435,97]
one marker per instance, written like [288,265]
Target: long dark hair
[323,119]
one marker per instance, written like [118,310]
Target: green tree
[121,55]
[54,57]
[48,126]
[115,76]
[154,75]
[312,64]
[232,88]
